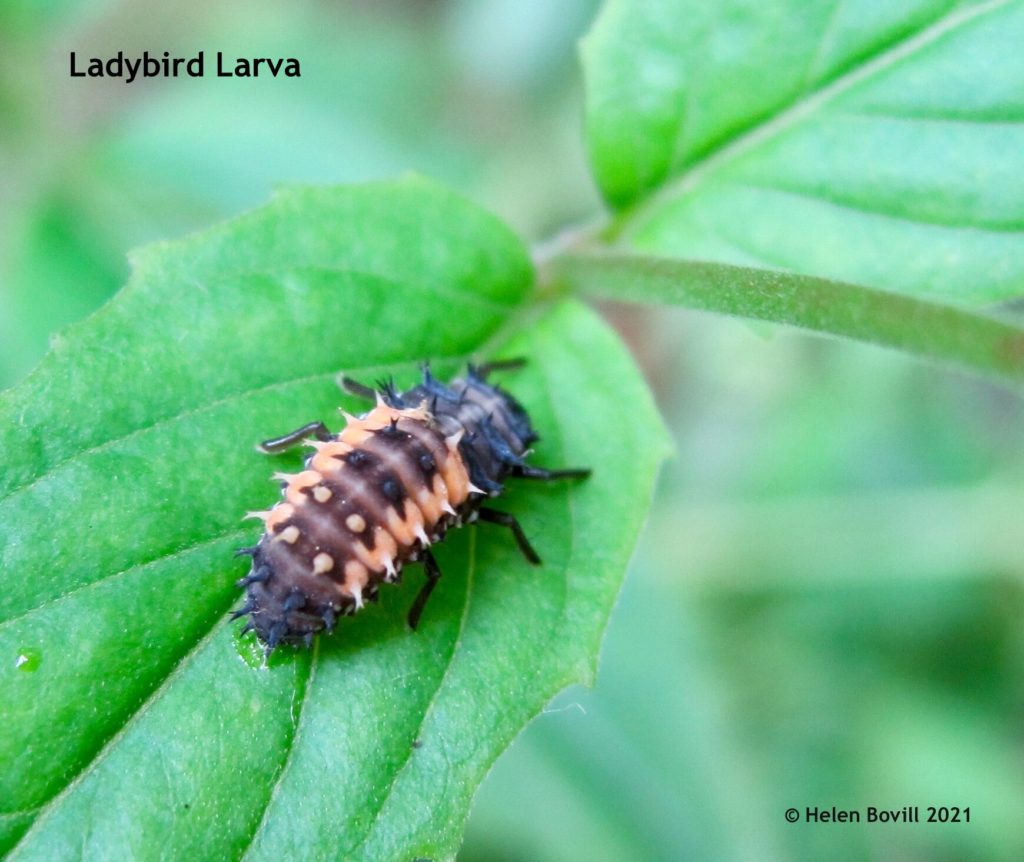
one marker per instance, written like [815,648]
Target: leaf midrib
[289,751]
[783,119]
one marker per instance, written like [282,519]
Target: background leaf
[870,142]
[136,726]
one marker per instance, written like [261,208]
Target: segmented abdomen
[371,499]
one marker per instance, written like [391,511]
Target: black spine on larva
[289,605]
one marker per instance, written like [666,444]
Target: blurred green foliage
[483,96]
[826,609]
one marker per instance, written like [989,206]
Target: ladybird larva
[378,494]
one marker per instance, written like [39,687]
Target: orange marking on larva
[356,435]
[360,428]
[364,554]
[278,515]
[385,542]
[298,483]
[327,456]
[384,548]
[433,502]
[430,505]
[322,563]
[456,478]
[414,518]
[398,528]
[355,572]
[356,577]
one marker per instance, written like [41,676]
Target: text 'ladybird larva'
[378,494]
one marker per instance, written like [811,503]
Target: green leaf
[136,724]
[980,343]
[871,142]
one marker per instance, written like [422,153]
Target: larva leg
[360,390]
[526,472]
[433,573]
[293,438]
[504,519]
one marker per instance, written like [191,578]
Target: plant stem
[976,341]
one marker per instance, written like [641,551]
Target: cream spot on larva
[321,493]
[289,534]
[322,563]
[356,523]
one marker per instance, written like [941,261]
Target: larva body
[377,495]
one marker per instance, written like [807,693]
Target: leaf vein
[811,71]
[789,115]
[952,119]
[134,567]
[288,752]
[836,202]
